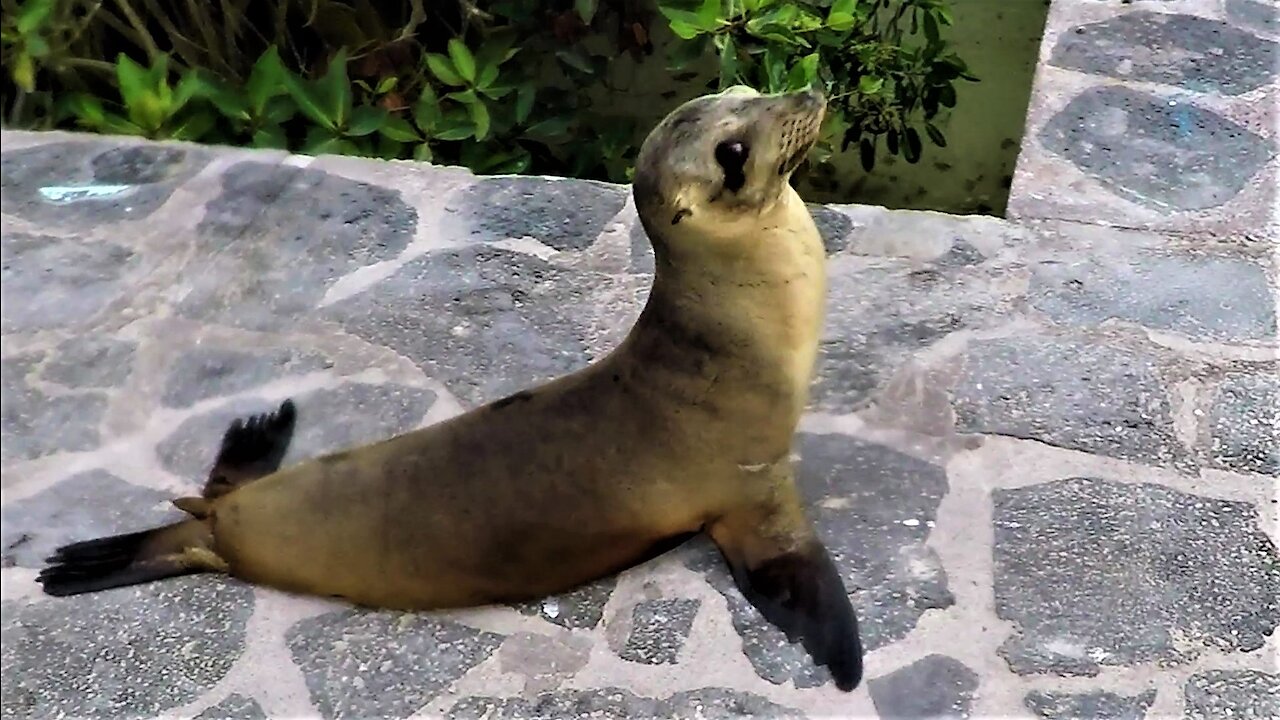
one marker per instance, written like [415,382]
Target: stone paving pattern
[1045,453]
[1156,114]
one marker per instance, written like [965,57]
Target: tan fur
[686,425]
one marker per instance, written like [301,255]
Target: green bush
[508,86]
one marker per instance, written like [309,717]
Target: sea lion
[686,426]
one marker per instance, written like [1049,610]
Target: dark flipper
[802,594]
[129,559]
[787,574]
[251,448]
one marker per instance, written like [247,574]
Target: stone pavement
[1044,452]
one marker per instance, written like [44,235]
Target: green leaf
[426,111]
[947,95]
[23,72]
[266,80]
[463,61]
[867,154]
[550,129]
[480,116]
[365,120]
[683,30]
[33,14]
[87,109]
[931,29]
[586,9]
[444,70]
[840,22]
[386,85]
[911,151]
[775,66]
[193,126]
[803,73]
[334,89]
[842,7]
[226,101]
[398,129]
[271,136]
[321,141]
[133,81]
[487,75]
[37,47]
[279,110]
[576,59]
[422,153]
[117,125]
[455,125]
[728,63]
[709,14]
[524,101]
[870,85]
[935,135]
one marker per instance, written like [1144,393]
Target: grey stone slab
[878,317]
[50,282]
[207,372]
[565,215]
[87,505]
[874,508]
[83,184]
[361,664]
[1237,694]
[1203,297]
[1244,423]
[1185,51]
[34,423]
[485,321]
[277,237]
[1096,705]
[580,608]
[1264,16]
[1161,153]
[931,687]
[130,652]
[641,259]
[658,630]
[1105,573]
[234,707]
[1068,393]
[833,225]
[329,420]
[90,362]
[710,703]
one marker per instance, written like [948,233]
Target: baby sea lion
[686,426]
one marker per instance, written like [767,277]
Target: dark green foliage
[500,86]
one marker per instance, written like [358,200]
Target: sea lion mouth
[794,159]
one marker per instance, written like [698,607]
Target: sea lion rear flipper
[788,575]
[130,559]
[251,448]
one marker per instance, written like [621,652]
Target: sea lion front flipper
[785,571]
[251,448]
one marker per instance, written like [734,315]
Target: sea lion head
[714,165]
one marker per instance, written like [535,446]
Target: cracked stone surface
[99,656]
[934,686]
[659,629]
[1178,574]
[1099,705]
[362,664]
[1246,694]
[1041,452]
[1069,394]
[1244,423]
[709,703]
[1190,50]
[1155,115]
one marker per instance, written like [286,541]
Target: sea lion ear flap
[800,592]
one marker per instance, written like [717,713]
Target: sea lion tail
[133,558]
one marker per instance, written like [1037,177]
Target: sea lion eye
[732,156]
